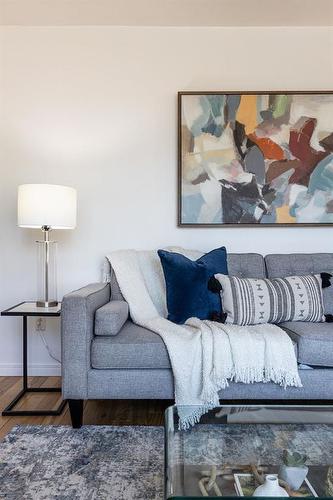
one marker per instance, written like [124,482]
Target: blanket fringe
[248,376]
[185,423]
[252,375]
[283,378]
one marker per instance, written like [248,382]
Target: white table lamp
[46,206]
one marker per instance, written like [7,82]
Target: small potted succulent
[293,470]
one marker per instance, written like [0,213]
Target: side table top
[29,308]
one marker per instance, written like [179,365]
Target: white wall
[95,108]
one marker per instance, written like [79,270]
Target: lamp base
[48,303]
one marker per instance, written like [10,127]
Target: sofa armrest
[77,329]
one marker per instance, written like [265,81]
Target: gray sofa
[106,356]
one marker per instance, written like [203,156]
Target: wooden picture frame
[263,148]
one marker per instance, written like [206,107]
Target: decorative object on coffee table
[246,484]
[235,448]
[24,310]
[255,158]
[208,481]
[329,482]
[293,470]
[46,207]
[270,488]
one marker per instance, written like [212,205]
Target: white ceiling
[168,12]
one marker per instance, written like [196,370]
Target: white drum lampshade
[46,207]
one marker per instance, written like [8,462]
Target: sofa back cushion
[243,265]
[282,265]
[246,265]
[290,264]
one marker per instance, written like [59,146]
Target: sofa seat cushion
[133,348]
[314,341]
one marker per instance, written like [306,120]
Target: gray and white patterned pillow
[328,298]
[249,301]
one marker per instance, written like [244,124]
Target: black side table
[26,309]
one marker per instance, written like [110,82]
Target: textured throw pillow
[249,301]
[187,284]
[328,298]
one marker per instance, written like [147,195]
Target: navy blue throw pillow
[187,284]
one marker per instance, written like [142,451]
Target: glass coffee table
[235,449]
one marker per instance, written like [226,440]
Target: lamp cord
[48,348]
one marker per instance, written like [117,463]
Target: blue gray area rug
[126,463]
[94,462]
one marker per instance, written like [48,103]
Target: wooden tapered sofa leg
[76,412]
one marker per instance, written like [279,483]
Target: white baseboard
[36,369]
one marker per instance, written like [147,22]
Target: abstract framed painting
[255,158]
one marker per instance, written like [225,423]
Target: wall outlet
[40,325]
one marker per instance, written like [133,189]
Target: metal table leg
[9,411]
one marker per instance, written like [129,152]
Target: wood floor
[139,412]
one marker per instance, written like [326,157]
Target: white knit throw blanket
[204,355]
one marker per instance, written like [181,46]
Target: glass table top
[30,308]
[235,449]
